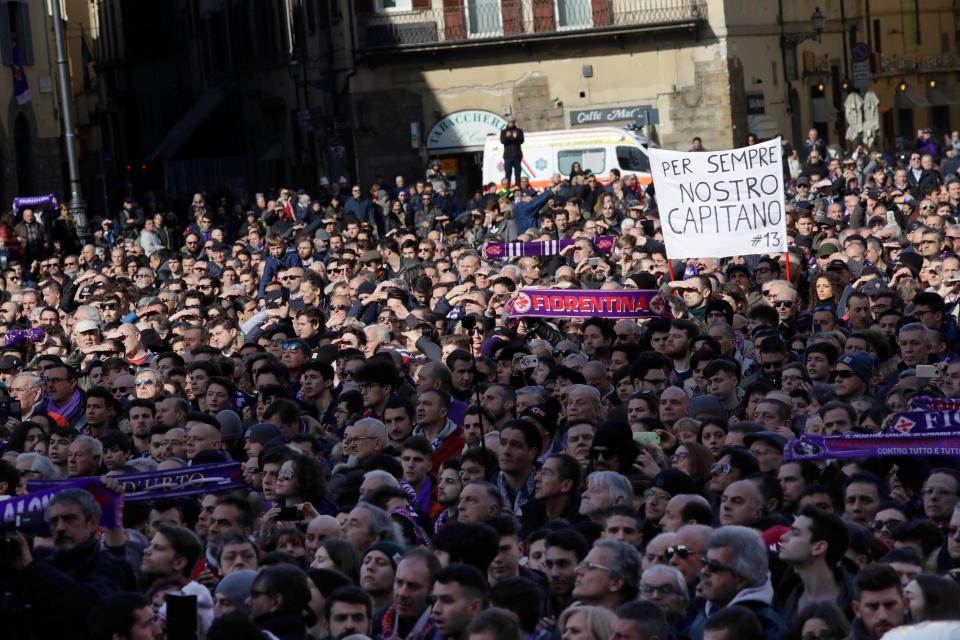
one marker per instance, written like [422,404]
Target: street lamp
[293,67]
[78,207]
[817,22]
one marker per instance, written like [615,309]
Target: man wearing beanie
[854,375]
[233,591]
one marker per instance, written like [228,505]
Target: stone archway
[23,156]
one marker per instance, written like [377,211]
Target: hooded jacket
[758,600]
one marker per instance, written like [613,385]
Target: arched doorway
[24,156]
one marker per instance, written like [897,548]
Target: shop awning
[911,98]
[181,132]
[823,111]
[763,125]
[942,97]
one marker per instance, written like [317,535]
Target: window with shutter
[15,27]
[454,20]
[24,34]
[512,17]
[601,13]
[543,16]
[6,38]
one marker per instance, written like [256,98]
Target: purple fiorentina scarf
[818,447]
[69,409]
[507,250]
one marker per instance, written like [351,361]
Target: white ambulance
[548,152]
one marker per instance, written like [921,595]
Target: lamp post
[817,22]
[78,207]
[788,46]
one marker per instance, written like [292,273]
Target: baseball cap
[86,325]
[769,437]
[371,255]
[10,362]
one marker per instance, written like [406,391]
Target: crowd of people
[421,463]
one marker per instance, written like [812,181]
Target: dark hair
[378,371]
[345,557]
[501,624]
[113,614]
[290,582]
[740,459]
[877,577]
[604,325]
[323,368]
[829,612]
[286,410]
[104,394]
[523,597]
[476,544]
[941,597]
[722,364]
[116,438]
[309,476]
[865,477]
[904,555]
[569,468]
[696,512]
[230,387]
[569,540]
[185,544]
[929,535]
[650,620]
[234,626]
[349,595]
[831,529]
[531,436]
[469,579]
[243,507]
[418,444]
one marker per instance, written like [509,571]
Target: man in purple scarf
[64,400]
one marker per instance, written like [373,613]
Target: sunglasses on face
[606,454]
[681,551]
[291,346]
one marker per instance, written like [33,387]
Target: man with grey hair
[688,552]
[627,332]
[375,480]
[366,525]
[914,341]
[529,397]
[736,572]
[609,576]
[28,389]
[33,466]
[604,490]
[582,403]
[60,588]
[84,457]
[666,586]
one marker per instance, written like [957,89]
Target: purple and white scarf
[507,250]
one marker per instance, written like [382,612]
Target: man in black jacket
[63,586]
[512,138]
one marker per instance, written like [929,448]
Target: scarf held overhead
[571,303]
[507,250]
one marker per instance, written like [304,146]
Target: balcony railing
[472,20]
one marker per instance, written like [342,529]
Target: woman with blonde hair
[586,623]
